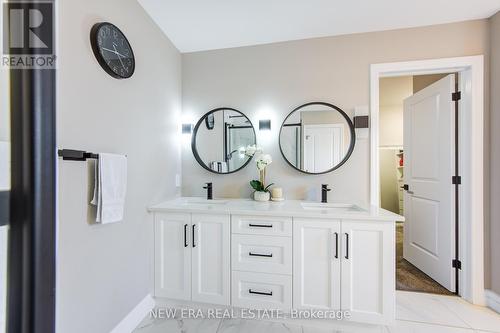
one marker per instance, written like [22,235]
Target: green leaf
[257,185]
[268,186]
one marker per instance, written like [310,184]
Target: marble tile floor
[415,313]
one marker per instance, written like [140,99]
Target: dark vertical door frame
[4,207]
[32,223]
[457,190]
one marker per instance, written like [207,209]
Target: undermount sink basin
[330,206]
[203,201]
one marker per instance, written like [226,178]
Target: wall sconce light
[265,125]
[187,128]
[361,122]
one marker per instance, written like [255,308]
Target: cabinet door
[368,273]
[172,256]
[316,264]
[211,258]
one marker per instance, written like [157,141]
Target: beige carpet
[409,277]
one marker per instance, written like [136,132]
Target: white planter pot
[261,196]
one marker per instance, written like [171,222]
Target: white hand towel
[110,187]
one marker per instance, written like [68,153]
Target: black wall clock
[112,50]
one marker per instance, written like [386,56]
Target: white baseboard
[134,318]
[492,300]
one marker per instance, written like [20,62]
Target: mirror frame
[351,145]
[195,150]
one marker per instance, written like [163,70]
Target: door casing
[471,159]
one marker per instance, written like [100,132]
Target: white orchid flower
[263,161]
[267,159]
[252,150]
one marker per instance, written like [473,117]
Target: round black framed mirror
[220,139]
[317,138]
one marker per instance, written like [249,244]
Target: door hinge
[455,263]
[456,180]
[456,96]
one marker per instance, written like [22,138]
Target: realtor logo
[28,34]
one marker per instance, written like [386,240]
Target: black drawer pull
[185,235]
[260,225]
[336,245]
[250,291]
[260,255]
[194,226]
[346,245]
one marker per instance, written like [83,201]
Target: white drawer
[258,253]
[261,225]
[261,291]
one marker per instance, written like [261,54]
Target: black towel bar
[75,155]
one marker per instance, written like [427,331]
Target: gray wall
[422,81]
[268,81]
[494,232]
[104,271]
[389,198]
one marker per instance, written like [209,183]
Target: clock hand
[117,53]
[105,49]
[121,62]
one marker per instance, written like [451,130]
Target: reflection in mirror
[317,138]
[220,138]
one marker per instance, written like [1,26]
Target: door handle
[346,245]
[406,187]
[194,226]
[260,255]
[250,291]
[185,235]
[336,245]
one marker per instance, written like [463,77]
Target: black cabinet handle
[260,225]
[260,255]
[194,225]
[336,245]
[250,291]
[346,245]
[185,235]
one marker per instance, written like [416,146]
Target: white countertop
[289,208]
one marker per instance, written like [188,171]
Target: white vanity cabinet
[277,256]
[368,270]
[345,265]
[172,255]
[316,264]
[261,262]
[192,257]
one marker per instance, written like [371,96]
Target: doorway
[417,161]
[323,146]
[470,192]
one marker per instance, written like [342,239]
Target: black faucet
[324,193]
[208,187]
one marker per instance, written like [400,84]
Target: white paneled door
[316,264]
[173,256]
[211,258]
[429,118]
[323,146]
